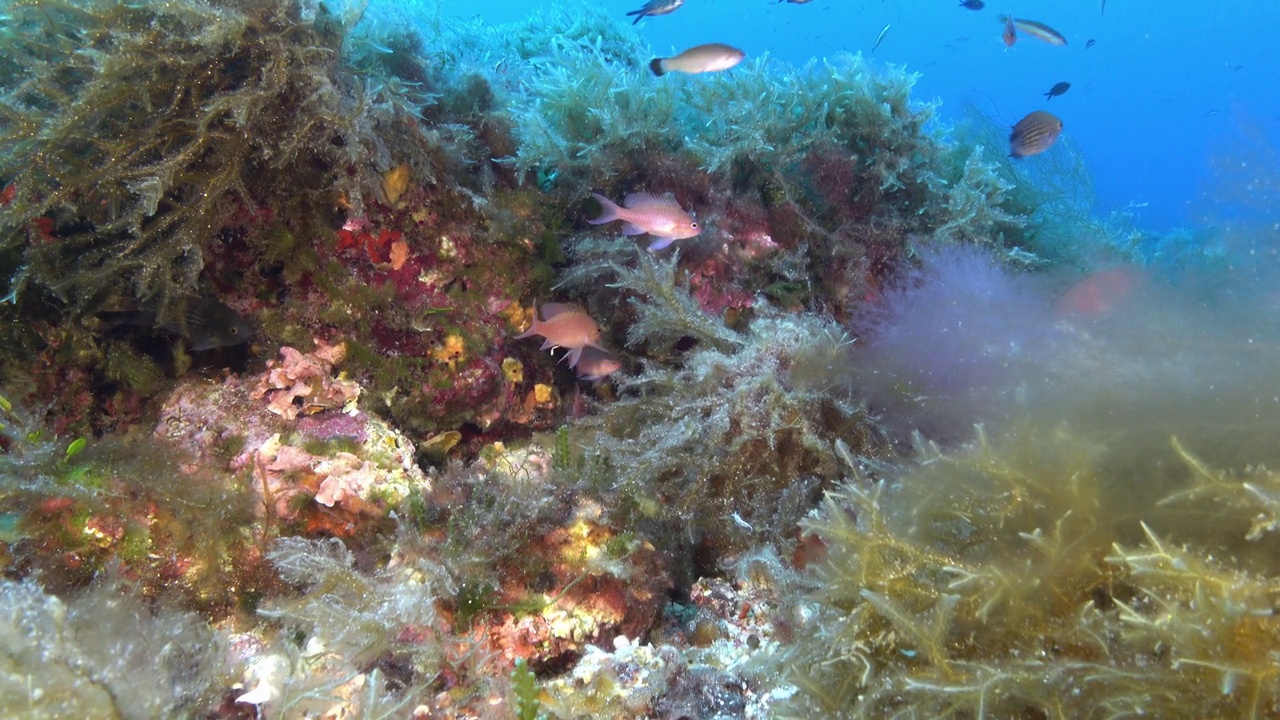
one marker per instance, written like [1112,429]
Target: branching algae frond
[988,583]
[132,132]
[734,443]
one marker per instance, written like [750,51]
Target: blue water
[1175,106]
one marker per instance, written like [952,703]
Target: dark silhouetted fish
[1057,89]
[204,322]
[1034,134]
[972,4]
[655,7]
[1090,43]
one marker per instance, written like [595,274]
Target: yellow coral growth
[517,317]
[513,371]
[450,352]
[542,393]
[394,182]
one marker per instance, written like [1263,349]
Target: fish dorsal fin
[638,200]
[552,309]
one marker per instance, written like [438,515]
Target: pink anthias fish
[567,326]
[595,364]
[661,217]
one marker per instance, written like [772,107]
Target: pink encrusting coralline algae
[565,325]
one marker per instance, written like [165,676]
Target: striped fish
[1039,31]
[1034,134]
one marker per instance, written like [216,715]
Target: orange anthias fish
[661,217]
[1010,34]
[567,326]
[595,365]
[1100,293]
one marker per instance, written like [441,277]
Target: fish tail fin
[639,14]
[574,356]
[608,210]
[656,66]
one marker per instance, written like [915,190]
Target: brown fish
[711,57]
[655,7]
[567,326]
[1034,134]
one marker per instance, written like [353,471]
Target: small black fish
[972,4]
[204,322]
[1090,43]
[655,7]
[1057,89]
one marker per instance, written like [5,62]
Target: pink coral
[346,476]
[303,384]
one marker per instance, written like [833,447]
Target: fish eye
[235,331]
[693,225]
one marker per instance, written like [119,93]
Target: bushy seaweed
[728,444]
[131,134]
[1003,579]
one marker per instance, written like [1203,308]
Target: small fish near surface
[205,323]
[1037,30]
[1034,134]
[1010,33]
[1090,43]
[1057,89]
[972,4]
[712,57]
[661,217]
[655,7]
[567,326]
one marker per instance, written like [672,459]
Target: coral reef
[764,499]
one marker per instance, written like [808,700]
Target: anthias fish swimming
[564,325]
[661,217]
